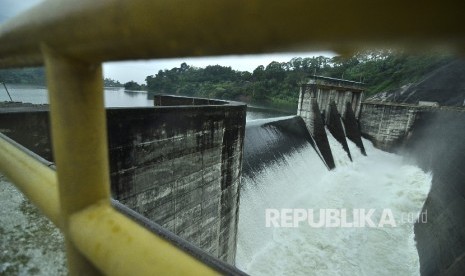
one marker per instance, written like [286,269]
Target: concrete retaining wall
[179,166]
[433,139]
[386,125]
[436,144]
[29,126]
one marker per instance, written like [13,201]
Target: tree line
[35,76]
[277,84]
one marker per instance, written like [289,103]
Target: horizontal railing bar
[32,175]
[119,246]
[98,31]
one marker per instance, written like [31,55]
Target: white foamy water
[379,181]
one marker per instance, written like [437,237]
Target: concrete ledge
[334,123]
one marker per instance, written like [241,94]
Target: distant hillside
[277,84]
[445,85]
[34,76]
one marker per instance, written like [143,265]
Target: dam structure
[195,172]
[335,104]
[200,175]
[425,178]
[429,148]
[175,167]
[73,39]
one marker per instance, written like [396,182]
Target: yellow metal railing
[72,39]
[114,242]
[38,184]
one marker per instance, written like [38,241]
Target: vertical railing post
[79,136]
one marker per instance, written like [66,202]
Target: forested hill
[36,76]
[277,84]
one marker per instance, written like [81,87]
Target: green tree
[277,84]
[132,85]
[107,82]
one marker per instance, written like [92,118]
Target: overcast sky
[139,70]
[10,8]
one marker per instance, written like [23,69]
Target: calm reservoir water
[114,97]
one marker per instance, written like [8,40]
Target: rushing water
[381,180]
[300,180]
[254,113]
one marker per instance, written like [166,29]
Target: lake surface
[114,97]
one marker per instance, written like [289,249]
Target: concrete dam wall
[178,164]
[433,139]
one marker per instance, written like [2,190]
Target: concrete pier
[334,124]
[321,102]
[311,115]
[352,128]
